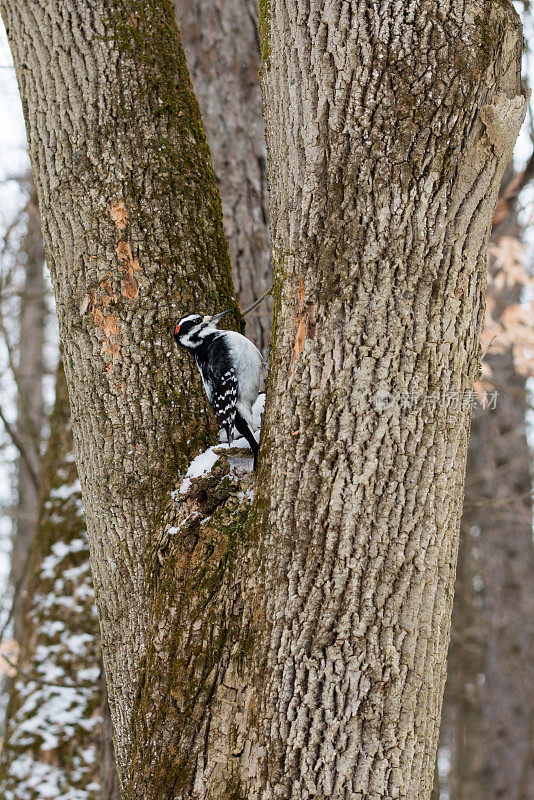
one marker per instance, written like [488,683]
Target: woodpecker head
[191,330]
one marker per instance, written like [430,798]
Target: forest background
[57,729]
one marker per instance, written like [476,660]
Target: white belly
[248,363]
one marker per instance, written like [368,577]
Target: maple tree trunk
[379,236]
[220,39]
[295,648]
[133,233]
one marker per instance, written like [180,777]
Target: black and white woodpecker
[230,366]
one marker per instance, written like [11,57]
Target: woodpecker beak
[216,318]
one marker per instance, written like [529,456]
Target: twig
[485,353]
[24,407]
[258,301]
[22,450]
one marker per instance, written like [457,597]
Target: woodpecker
[230,366]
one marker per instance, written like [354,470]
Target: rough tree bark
[296,650]
[316,656]
[220,39]
[379,233]
[134,238]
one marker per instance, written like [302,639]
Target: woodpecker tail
[245,430]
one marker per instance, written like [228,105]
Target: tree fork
[296,650]
[316,660]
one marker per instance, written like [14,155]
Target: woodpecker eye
[177,329]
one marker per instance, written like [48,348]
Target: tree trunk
[460,745]
[379,237]
[504,516]
[134,238]
[30,402]
[221,44]
[316,655]
[296,651]
[109,779]
[54,718]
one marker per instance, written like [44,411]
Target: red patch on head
[177,329]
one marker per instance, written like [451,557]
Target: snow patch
[203,463]
[45,782]
[59,551]
[66,491]
[199,466]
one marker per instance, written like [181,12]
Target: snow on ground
[58,696]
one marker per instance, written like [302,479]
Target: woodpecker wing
[224,400]
[220,382]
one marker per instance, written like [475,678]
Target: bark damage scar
[304,322]
[97,302]
[128,265]
[503,120]
[119,215]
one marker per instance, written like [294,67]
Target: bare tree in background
[488,721]
[54,726]
[298,652]
[28,375]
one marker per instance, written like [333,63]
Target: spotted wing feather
[220,382]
